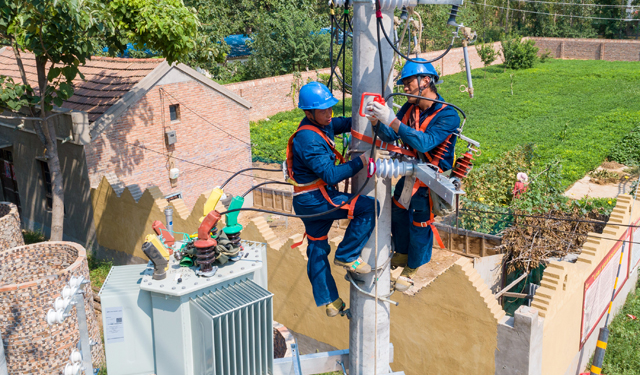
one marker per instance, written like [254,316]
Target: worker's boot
[335,307]
[357,266]
[399,260]
[405,280]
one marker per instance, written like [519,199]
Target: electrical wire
[546,217]
[558,15]
[571,4]
[264,183]
[408,58]
[205,119]
[248,169]
[425,98]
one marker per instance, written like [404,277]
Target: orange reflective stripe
[382,145]
[299,243]
[423,125]
[313,186]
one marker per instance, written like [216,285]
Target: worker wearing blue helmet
[427,130]
[311,169]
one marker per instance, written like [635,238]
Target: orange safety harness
[317,184]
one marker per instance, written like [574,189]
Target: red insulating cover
[209,222]
[162,231]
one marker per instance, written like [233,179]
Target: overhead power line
[582,5]
[556,14]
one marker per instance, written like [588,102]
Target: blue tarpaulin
[238,45]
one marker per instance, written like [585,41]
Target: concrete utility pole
[366,77]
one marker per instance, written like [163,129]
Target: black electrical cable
[331,47]
[379,19]
[344,62]
[264,183]
[406,57]
[425,98]
[247,169]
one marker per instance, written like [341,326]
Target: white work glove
[381,112]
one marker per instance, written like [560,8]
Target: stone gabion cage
[10,232]
[32,277]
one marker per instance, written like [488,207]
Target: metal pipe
[467,67]
[168,214]
[83,328]
[366,78]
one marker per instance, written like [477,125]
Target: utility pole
[364,339]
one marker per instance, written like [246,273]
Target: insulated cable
[408,58]
[247,169]
[425,98]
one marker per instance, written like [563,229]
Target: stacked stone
[10,233]
[32,277]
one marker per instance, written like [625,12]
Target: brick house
[131,121]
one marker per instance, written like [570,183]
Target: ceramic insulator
[387,168]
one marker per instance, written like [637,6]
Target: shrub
[627,152]
[518,53]
[31,236]
[487,54]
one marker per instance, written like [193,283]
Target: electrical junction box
[187,324]
[171,137]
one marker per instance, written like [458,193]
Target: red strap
[398,203]
[382,145]
[325,237]
[429,223]
[352,207]
[415,111]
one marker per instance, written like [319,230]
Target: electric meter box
[190,325]
[171,137]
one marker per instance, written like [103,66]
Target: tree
[487,55]
[63,34]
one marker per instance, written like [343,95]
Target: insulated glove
[380,111]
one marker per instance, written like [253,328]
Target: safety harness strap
[325,237]
[428,223]
[382,145]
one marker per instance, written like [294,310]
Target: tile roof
[107,79]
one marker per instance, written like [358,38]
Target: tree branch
[23,74]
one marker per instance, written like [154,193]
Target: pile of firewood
[531,241]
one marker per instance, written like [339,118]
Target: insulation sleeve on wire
[248,169]
[422,97]
[406,57]
[264,183]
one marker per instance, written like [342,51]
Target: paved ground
[585,187]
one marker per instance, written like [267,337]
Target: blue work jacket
[442,125]
[313,158]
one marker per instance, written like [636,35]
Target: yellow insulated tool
[212,201]
[157,243]
[157,254]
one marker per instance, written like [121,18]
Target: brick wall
[34,276]
[272,95]
[10,232]
[590,49]
[199,140]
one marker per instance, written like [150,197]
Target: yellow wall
[448,327]
[560,297]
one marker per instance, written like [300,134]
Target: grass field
[571,109]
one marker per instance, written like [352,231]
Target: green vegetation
[31,236]
[628,151]
[622,356]
[269,138]
[98,271]
[519,53]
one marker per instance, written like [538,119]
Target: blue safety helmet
[411,69]
[315,95]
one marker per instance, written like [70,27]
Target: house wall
[26,147]
[213,131]
[590,49]
[560,298]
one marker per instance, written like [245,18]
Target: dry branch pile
[532,240]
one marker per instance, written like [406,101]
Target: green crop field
[571,109]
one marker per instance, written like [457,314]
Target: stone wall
[10,232]
[590,49]
[32,277]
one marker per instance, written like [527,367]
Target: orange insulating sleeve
[209,222]
[162,231]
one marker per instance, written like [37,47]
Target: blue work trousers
[355,237]
[408,238]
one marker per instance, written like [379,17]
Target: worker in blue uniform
[427,129]
[312,170]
